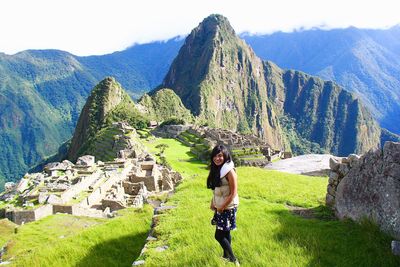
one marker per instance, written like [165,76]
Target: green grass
[144,133]
[65,240]
[268,233]
[6,231]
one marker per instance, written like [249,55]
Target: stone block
[330,200]
[331,190]
[137,263]
[333,176]
[353,159]
[42,198]
[333,164]
[343,169]
[345,160]
[86,160]
[9,186]
[52,199]
[396,247]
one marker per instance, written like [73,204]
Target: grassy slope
[268,234]
[64,240]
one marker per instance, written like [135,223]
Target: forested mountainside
[366,62]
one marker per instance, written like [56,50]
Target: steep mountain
[43,91]
[223,83]
[219,78]
[163,105]
[321,112]
[39,92]
[365,62]
[107,103]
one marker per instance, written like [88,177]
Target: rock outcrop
[368,187]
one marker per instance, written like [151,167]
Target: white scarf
[226,168]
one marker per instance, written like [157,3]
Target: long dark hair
[214,179]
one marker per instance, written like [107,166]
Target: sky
[96,27]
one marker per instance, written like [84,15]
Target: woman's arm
[212,206]
[232,179]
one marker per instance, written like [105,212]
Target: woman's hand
[212,207]
[220,210]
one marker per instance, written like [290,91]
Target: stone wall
[368,187]
[149,174]
[25,216]
[79,187]
[170,131]
[62,209]
[43,211]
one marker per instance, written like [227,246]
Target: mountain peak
[219,79]
[214,23]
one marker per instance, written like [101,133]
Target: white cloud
[103,26]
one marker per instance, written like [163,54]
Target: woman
[222,180]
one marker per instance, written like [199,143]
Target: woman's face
[218,159]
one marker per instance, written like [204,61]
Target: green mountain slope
[365,62]
[36,116]
[219,78]
[107,103]
[322,112]
[163,105]
[42,93]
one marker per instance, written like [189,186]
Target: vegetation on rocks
[321,113]
[107,103]
[164,105]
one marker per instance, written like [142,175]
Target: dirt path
[311,164]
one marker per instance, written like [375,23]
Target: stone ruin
[170,131]
[247,149]
[368,187]
[86,188]
[253,150]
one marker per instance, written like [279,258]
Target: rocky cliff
[220,79]
[322,112]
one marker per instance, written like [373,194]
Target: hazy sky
[88,27]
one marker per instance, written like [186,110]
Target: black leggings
[224,239]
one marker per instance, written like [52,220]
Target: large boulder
[86,161]
[10,186]
[371,189]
